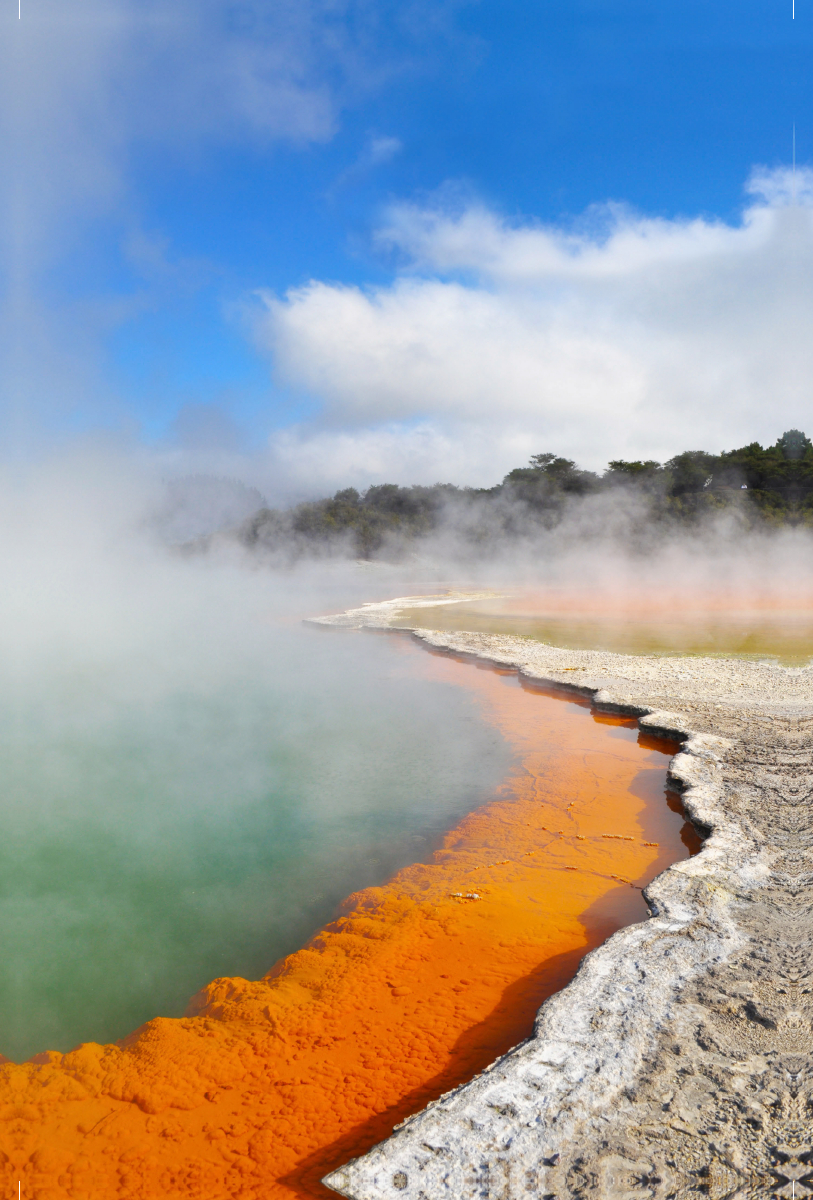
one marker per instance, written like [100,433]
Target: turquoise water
[197,804]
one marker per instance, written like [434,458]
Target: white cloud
[624,337]
[382,149]
[303,463]
[85,84]
[86,87]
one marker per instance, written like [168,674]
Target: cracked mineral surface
[678,1063]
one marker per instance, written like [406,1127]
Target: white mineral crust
[679,1061]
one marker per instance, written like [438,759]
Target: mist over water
[192,779]
[153,842]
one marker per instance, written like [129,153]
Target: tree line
[761,486]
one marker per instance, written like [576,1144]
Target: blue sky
[178,170]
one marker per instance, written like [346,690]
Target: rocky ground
[678,1062]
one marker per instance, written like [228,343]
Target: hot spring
[196,785]
[656,620]
[174,821]
[193,780]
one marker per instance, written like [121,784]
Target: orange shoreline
[418,984]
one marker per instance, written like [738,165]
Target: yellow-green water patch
[785,636]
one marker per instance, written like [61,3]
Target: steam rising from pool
[192,780]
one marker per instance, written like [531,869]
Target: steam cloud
[192,780]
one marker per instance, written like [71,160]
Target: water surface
[734,630]
[202,819]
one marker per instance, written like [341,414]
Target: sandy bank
[679,1060]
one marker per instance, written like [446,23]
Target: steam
[192,780]
[86,89]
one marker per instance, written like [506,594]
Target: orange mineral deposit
[416,985]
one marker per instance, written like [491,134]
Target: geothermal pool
[730,625]
[156,832]
[177,832]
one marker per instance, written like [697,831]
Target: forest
[755,487]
